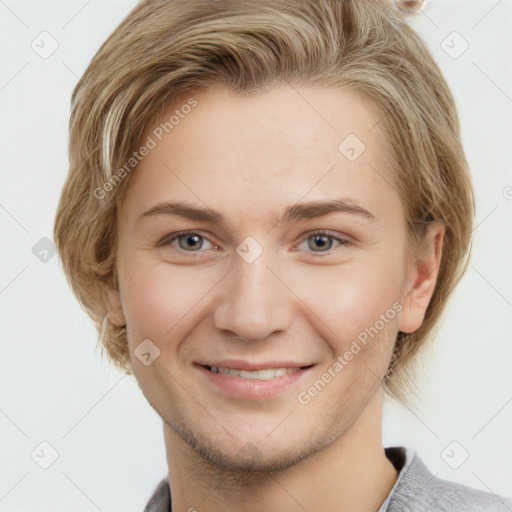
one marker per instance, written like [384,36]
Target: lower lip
[252,388]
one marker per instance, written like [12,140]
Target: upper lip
[252,365]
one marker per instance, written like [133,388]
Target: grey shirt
[416,490]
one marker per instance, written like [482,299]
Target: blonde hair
[165,49]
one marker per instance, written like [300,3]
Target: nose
[255,302]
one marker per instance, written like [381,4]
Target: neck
[337,477]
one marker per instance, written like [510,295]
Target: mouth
[261,374]
[242,380]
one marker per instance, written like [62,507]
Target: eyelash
[166,241]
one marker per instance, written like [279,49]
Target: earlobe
[421,281]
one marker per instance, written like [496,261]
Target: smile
[253,381]
[265,374]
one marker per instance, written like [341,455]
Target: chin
[258,456]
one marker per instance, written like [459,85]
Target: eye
[322,242]
[189,241]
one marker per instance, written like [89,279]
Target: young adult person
[267,208]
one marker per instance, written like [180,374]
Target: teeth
[270,373]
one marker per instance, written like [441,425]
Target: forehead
[254,154]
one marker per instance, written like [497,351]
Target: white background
[55,388]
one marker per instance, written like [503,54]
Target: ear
[115,312]
[421,280]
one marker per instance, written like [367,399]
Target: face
[268,267]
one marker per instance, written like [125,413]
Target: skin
[249,159]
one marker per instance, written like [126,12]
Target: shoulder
[418,489]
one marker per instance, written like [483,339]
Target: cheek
[160,297]
[346,300]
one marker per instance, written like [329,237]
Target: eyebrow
[293,213]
